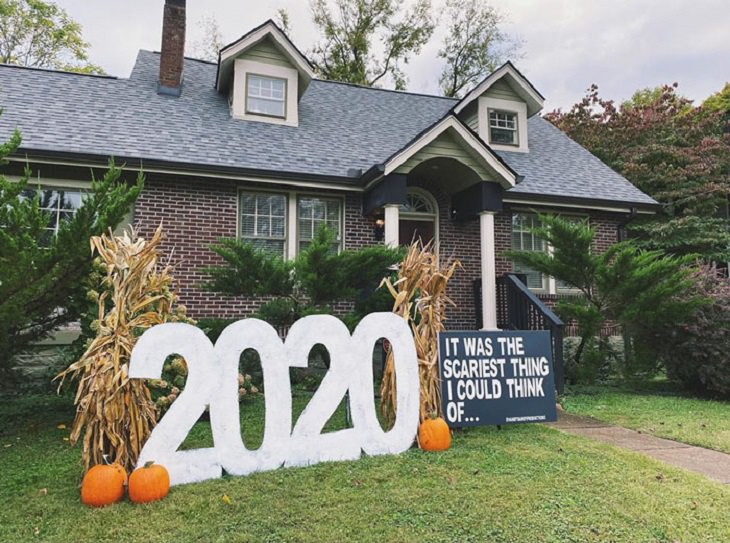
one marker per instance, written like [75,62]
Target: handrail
[520,309]
[515,282]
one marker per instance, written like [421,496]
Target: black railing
[518,308]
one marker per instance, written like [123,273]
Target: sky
[621,45]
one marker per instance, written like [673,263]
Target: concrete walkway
[712,464]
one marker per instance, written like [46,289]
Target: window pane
[265,107]
[501,135]
[248,225]
[277,226]
[70,200]
[248,204]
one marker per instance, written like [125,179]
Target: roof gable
[267,40]
[450,138]
[506,76]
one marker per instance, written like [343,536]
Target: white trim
[577,206]
[534,101]
[485,103]
[392,224]
[243,67]
[424,216]
[488,157]
[267,30]
[489,272]
[264,180]
[51,182]
[291,226]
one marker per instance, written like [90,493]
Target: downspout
[621,236]
[621,227]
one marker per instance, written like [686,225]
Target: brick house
[256,146]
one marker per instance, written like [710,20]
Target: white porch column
[391,224]
[489,270]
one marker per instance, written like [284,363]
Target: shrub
[645,292]
[696,350]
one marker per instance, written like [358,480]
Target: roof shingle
[341,127]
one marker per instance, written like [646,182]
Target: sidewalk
[712,464]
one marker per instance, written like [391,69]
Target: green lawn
[656,411]
[524,483]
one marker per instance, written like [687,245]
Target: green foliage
[675,152]
[720,101]
[42,35]
[249,271]
[43,278]
[348,51]
[315,279]
[474,46]
[695,349]
[643,291]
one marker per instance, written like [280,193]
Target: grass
[657,410]
[524,483]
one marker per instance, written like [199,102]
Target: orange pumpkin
[149,483]
[103,484]
[434,435]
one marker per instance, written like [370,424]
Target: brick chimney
[173,48]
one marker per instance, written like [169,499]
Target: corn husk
[419,296]
[115,415]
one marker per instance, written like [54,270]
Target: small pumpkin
[149,483]
[103,485]
[434,434]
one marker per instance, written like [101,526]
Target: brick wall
[197,212]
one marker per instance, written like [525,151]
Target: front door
[410,230]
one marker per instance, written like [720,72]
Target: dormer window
[503,127]
[266,95]
[264,76]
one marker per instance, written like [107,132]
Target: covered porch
[448,187]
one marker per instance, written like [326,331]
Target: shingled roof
[343,129]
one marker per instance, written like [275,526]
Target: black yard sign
[492,378]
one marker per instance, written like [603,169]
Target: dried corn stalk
[114,414]
[419,297]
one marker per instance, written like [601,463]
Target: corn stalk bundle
[116,414]
[419,297]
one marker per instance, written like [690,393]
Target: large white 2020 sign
[213,381]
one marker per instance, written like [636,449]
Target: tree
[720,101]
[348,52]
[677,153]
[308,284]
[211,42]
[643,291]
[474,46]
[43,278]
[42,35]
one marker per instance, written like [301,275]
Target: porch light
[379,230]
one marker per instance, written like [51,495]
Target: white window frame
[244,67]
[485,104]
[281,101]
[263,192]
[291,241]
[550,286]
[515,131]
[298,196]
